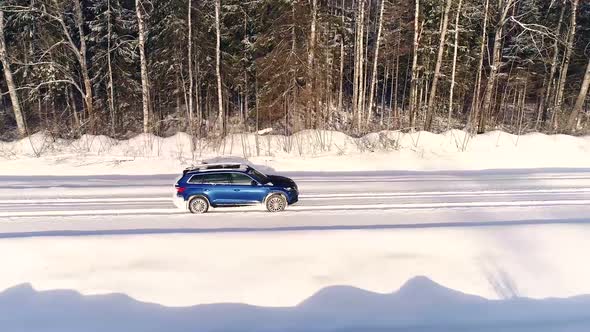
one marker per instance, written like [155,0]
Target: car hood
[281,181]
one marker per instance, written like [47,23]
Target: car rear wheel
[198,205]
[276,203]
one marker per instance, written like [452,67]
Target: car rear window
[196,179]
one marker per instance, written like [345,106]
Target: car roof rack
[215,167]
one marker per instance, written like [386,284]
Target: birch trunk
[413,83]
[220,114]
[311,110]
[341,81]
[439,58]
[145,92]
[20,120]
[455,48]
[190,72]
[383,88]
[475,106]
[580,100]
[395,89]
[358,66]
[84,65]
[566,62]
[111,90]
[549,89]
[363,82]
[375,62]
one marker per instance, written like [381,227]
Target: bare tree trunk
[84,65]
[341,81]
[358,98]
[475,107]
[496,61]
[566,62]
[198,101]
[111,90]
[245,92]
[385,82]
[395,88]
[220,115]
[356,65]
[455,48]
[522,105]
[20,120]
[580,100]
[72,100]
[361,68]
[439,58]
[364,79]
[375,62]
[311,76]
[145,90]
[414,82]
[190,71]
[549,88]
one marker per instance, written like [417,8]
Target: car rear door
[246,190]
[217,186]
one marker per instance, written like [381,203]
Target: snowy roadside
[282,268]
[307,150]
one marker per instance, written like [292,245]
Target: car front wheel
[276,203]
[198,205]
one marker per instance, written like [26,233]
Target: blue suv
[217,185]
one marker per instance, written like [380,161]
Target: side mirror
[253,183]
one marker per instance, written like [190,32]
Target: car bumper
[179,202]
[293,197]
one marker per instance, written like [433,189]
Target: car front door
[217,186]
[246,190]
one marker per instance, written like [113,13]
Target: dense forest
[213,67]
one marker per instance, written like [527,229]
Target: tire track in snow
[402,206]
[331,196]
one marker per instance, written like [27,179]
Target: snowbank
[309,150]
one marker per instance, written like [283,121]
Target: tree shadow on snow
[420,305]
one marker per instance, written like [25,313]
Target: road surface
[496,234]
[377,199]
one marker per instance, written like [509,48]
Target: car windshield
[258,176]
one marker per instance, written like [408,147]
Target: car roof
[205,167]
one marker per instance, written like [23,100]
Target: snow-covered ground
[274,267]
[372,230]
[307,150]
[514,237]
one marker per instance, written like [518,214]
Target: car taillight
[180,190]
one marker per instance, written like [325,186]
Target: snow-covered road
[389,192]
[481,232]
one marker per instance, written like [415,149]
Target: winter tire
[198,205]
[276,203]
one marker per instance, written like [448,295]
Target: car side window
[220,178]
[196,179]
[241,179]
